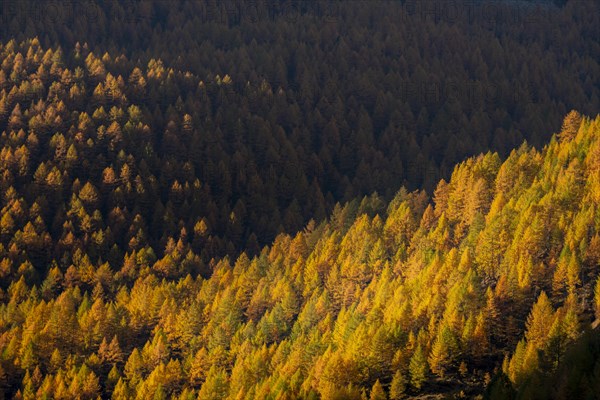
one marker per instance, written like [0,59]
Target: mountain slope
[498,273]
[384,93]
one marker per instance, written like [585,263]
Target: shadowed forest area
[283,200]
[294,106]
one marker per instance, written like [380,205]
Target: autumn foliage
[496,274]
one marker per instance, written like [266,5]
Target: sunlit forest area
[313,200]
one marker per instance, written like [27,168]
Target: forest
[287,199]
[489,284]
[282,109]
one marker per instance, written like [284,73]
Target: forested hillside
[493,278]
[285,199]
[246,121]
[381,93]
[106,165]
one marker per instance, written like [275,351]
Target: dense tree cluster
[106,168]
[383,94]
[259,118]
[149,150]
[501,269]
[576,377]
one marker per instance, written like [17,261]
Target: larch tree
[418,368]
